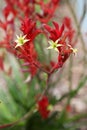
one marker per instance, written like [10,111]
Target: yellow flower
[21,40]
[54,45]
[50,108]
[74,50]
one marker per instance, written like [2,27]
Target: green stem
[47,87]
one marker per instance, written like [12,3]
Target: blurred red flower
[43,107]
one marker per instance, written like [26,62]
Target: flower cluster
[15,9]
[60,40]
[28,8]
[33,23]
[25,45]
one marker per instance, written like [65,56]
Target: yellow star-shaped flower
[74,50]
[21,40]
[54,45]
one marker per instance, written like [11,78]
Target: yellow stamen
[21,40]
[54,45]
